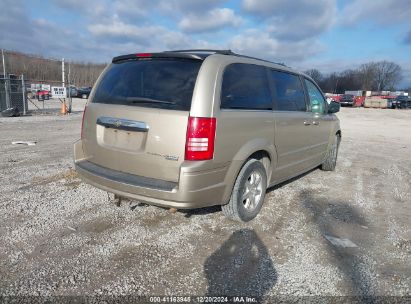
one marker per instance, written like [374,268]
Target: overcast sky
[329,35]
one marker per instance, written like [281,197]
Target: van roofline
[158,55]
[225,52]
[198,54]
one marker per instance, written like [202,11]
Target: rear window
[157,83]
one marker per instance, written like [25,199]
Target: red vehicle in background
[359,101]
[42,95]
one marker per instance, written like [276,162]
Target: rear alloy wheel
[84,96]
[249,192]
[331,159]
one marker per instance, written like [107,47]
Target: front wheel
[249,192]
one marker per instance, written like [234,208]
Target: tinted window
[288,92]
[245,86]
[166,84]
[317,100]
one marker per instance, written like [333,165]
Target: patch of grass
[70,176]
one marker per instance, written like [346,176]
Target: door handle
[307,123]
[316,123]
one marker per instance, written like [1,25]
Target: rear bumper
[195,188]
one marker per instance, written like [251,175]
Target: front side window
[317,100]
[288,92]
[245,86]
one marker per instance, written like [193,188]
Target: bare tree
[315,75]
[387,74]
[382,75]
[39,69]
[375,76]
[367,73]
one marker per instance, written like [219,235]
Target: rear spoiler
[158,55]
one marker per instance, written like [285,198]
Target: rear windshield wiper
[147,100]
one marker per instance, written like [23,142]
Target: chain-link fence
[42,99]
[13,94]
[19,96]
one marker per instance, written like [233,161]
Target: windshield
[160,83]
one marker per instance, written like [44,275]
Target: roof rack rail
[249,57]
[222,52]
[225,52]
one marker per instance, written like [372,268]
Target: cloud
[259,43]
[120,30]
[407,37]
[293,20]
[132,10]
[215,19]
[380,11]
[91,9]
[189,6]
[131,38]
[43,37]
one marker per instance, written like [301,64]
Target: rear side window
[245,86]
[288,92]
[158,83]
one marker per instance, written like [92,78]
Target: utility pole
[4,66]
[62,73]
[5,80]
[69,88]
[68,76]
[63,85]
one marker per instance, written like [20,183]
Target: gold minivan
[195,128]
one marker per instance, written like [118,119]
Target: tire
[252,177]
[331,159]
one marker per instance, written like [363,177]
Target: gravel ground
[60,236]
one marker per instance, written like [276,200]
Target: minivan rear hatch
[136,120]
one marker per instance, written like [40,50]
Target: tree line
[37,69]
[371,76]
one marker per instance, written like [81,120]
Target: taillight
[144,55]
[200,138]
[82,122]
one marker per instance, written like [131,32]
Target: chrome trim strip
[122,124]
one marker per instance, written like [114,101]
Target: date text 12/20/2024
[202,299]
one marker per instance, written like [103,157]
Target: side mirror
[333,107]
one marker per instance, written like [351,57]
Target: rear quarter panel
[240,134]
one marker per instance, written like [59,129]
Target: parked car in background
[83,92]
[72,92]
[401,102]
[189,129]
[347,100]
[41,94]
